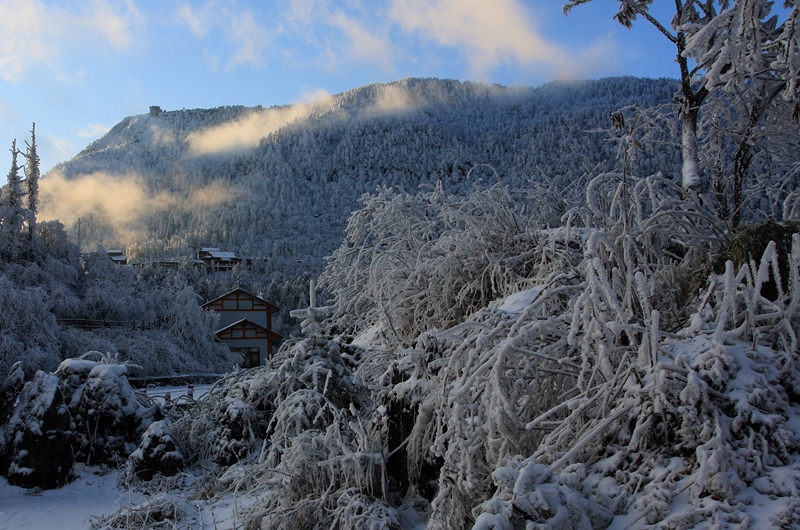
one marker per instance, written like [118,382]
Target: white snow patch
[66,508]
[517,302]
[368,337]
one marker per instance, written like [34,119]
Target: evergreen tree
[12,214]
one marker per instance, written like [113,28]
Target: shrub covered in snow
[85,411]
[38,436]
[157,453]
[109,416]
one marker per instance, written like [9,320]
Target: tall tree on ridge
[32,180]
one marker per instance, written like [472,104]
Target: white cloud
[393,100]
[35,32]
[240,30]
[115,22]
[251,41]
[489,34]
[93,130]
[342,33]
[197,21]
[63,148]
[362,44]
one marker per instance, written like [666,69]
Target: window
[252,356]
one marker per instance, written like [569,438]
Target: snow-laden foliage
[298,428]
[608,382]
[157,453]
[159,327]
[109,417]
[698,415]
[427,261]
[37,441]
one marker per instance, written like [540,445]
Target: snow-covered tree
[745,53]
[735,44]
[12,217]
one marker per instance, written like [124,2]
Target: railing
[90,324]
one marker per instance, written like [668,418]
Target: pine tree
[12,212]
[32,181]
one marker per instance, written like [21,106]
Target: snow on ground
[67,508]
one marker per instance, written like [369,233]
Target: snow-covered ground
[93,492]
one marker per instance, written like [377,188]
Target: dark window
[252,356]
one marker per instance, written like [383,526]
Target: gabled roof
[251,295]
[238,323]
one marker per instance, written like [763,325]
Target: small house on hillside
[118,256]
[245,325]
[218,260]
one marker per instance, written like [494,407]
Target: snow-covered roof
[219,254]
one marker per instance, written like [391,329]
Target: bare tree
[32,180]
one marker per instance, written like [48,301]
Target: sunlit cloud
[34,32]
[240,30]
[216,193]
[488,35]
[245,133]
[318,96]
[122,201]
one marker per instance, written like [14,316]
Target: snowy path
[66,508]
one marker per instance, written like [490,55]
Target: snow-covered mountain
[281,182]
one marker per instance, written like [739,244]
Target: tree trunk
[690,170]
[741,166]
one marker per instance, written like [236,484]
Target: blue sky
[78,68]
